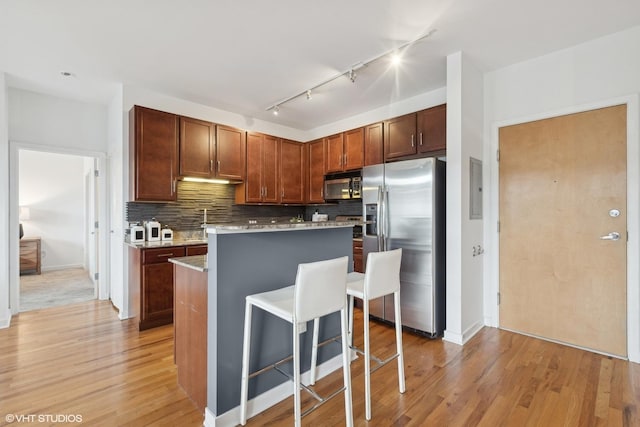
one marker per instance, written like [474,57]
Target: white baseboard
[461,339]
[269,398]
[5,319]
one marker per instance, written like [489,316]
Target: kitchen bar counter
[249,259]
[279,226]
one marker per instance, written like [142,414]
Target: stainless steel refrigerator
[404,207]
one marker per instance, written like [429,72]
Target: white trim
[465,336]
[633,215]
[269,398]
[103,230]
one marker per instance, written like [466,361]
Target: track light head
[352,76]
[276,110]
[308,93]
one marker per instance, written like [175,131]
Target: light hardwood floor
[81,359]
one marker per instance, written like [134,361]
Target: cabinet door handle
[211,165]
[165,255]
[421,139]
[173,186]
[218,166]
[340,160]
[345,159]
[413,142]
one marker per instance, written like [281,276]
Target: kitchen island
[247,259]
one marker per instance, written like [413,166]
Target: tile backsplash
[219,200]
[194,197]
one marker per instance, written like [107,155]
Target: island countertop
[279,226]
[194,262]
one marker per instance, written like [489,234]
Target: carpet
[55,288]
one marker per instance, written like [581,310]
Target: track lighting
[393,54]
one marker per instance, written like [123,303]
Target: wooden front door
[562,189]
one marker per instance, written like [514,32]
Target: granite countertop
[280,226]
[194,262]
[167,243]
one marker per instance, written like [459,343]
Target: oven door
[337,189]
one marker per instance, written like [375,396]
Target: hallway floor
[55,288]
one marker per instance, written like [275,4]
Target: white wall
[602,72]
[52,186]
[5,314]
[464,140]
[46,123]
[48,120]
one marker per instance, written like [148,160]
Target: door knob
[614,235]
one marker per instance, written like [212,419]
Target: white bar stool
[382,278]
[319,290]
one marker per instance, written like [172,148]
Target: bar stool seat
[382,278]
[319,290]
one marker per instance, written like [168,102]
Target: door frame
[14,249]
[492,264]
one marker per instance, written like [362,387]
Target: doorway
[66,201]
[563,229]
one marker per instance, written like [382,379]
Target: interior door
[563,229]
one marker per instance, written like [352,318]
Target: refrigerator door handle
[385,225]
[379,219]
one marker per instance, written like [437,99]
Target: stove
[357,229]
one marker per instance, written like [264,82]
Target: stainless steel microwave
[342,188]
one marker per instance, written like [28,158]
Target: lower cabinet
[151,273]
[358,263]
[190,333]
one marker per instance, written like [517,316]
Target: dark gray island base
[245,261]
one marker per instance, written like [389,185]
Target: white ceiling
[245,56]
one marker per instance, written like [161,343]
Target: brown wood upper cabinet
[197,148]
[400,136]
[261,182]
[417,133]
[153,155]
[432,129]
[345,151]
[230,152]
[316,168]
[373,144]
[211,151]
[291,172]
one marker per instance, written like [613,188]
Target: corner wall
[5,313]
[464,140]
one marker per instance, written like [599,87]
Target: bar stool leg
[296,376]
[367,362]
[350,307]
[314,351]
[245,363]
[346,369]
[398,321]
